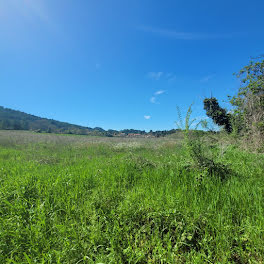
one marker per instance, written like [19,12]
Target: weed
[154,202]
[203,155]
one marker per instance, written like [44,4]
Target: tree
[249,101]
[217,113]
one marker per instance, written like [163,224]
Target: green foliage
[248,103]
[203,159]
[217,113]
[65,199]
[252,82]
[16,120]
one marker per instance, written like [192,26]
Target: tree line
[16,120]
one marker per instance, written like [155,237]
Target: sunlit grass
[96,200]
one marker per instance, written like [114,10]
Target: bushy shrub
[203,155]
[248,103]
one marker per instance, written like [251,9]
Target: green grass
[91,200]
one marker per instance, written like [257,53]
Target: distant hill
[16,120]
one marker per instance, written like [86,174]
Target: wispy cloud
[147,117]
[153,100]
[159,92]
[155,75]
[207,78]
[180,35]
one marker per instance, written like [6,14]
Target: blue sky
[124,64]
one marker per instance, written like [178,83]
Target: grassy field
[77,199]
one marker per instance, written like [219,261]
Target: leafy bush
[203,156]
[248,103]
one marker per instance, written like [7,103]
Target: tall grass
[131,203]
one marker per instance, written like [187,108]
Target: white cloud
[155,75]
[159,92]
[147,117]
[153,100]
[183,35]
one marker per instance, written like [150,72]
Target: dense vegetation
[17,120]
[76,199]
[247,116]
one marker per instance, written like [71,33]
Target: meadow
[80,199]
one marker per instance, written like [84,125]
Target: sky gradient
[124,64]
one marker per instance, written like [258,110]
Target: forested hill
[17,120]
